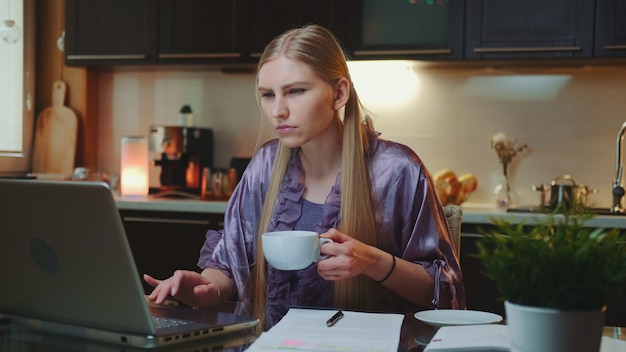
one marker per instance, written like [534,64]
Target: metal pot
[559,195]
[581,193]
[562,195]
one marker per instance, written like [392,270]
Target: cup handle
[322,241]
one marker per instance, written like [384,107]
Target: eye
[267,94]
[296,91]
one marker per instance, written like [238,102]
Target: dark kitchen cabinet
[531,29]
[140,32]
[200,31]
[269,18]
[110,32]
[401,29]
[610,39]
[136,32]
[481,293]
[162,242]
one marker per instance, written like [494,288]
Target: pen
[334,319]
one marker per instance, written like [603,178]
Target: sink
[532,209]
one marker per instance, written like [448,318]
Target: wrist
[390,271]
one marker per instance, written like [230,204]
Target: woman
[329,172]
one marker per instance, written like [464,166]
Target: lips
[285,129]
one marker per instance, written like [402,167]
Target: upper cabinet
[406,29]
[530,29]
[134,32]
[138,32]
[269,18]
[610,38]
[131,32]
[200,31]
[110,31]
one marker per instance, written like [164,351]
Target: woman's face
[299,105]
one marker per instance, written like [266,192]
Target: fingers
[154,295]
[160,293]
[163,288]
[331,248]
[348,257]
[176,281]
[205,289]
[333,273]
[333,234]
[150,280]
[187,286]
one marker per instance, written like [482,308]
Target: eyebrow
[288,85]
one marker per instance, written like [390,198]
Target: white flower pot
[534,329]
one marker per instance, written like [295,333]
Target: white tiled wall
[568,116]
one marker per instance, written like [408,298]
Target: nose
[279,108]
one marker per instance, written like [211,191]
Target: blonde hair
[317,47]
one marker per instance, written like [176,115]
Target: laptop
[66,267]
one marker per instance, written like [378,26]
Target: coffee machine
[184,153]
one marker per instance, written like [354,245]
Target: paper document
[490,337]
[493,337]
[306,330]
[609,344]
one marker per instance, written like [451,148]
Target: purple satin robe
[411,219]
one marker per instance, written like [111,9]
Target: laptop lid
[69,267]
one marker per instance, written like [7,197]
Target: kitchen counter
[483,215]
[472,215]
[149,203]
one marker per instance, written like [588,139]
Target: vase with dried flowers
[506,149]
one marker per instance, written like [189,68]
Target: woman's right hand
[187,286]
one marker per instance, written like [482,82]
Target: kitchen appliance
[184,152]
[563,192]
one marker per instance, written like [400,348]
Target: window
[17,79]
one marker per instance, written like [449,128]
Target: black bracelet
[393,266]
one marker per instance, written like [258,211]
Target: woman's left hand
[347,257]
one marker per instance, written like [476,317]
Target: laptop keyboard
[164,323]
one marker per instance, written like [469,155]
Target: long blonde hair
[317,47]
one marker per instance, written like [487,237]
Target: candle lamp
[134,170]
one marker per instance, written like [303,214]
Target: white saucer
[449,317]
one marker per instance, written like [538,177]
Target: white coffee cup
[292,250]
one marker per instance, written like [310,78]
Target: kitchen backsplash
[569,117]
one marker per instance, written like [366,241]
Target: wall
[568,115]
[50,67]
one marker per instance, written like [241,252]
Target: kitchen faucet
[618,190]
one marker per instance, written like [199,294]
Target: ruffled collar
[288,207]
[289,201]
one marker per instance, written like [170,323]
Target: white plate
[448,317]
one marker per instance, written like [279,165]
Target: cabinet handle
[403,52]
[615,47]
[198,56]
[169,221]
[106,57]
[529,49]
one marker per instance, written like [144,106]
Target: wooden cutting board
[55,136]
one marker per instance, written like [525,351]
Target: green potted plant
[554,268]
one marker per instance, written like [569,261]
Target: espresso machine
[184,153]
